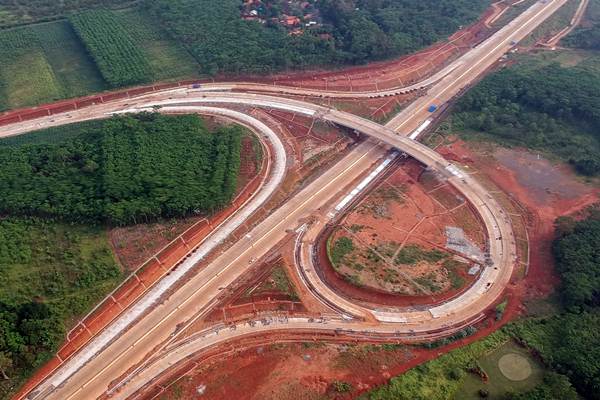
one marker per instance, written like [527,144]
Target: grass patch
[44,63]
[68,59]
[439,379]
[498,385]
[412,254]
[428,281]
[26,78]
[340,249]
[279,280]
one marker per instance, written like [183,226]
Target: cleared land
[397,240]
[540,104]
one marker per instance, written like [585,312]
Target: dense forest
[587,36]
[50,274]
[131,169]
[353,32]
[569,342]
[550,108]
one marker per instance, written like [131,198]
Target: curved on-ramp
[470,304]
[221,233]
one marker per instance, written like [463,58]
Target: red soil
[418,218]
[545,190]
[256,373]
[301,371]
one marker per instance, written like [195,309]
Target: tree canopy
[352,32]
[133,168]
[577,255]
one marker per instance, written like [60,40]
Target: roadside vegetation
[123,172]
[544,106]
[50,274]
[61,187]
[567,342]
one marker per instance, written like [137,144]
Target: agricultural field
[20,12]
[25,74]
[122,173]
[167,58]
[45,62]
[118,58]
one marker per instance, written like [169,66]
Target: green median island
[61,189]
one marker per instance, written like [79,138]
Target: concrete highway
[199,291]
[96,367]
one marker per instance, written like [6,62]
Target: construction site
[348,244]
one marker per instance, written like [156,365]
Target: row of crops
[119,60]
[91,52]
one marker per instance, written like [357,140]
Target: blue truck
[432,108]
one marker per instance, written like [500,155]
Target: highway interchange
[150,323]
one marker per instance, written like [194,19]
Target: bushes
[577,255]
[413,254]
[50,274]
[128,169]
[119,60]
[342,247]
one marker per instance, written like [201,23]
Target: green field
[25,75]
[19,12]
[498,385]
[168,59]
[65,54]
[46,62]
